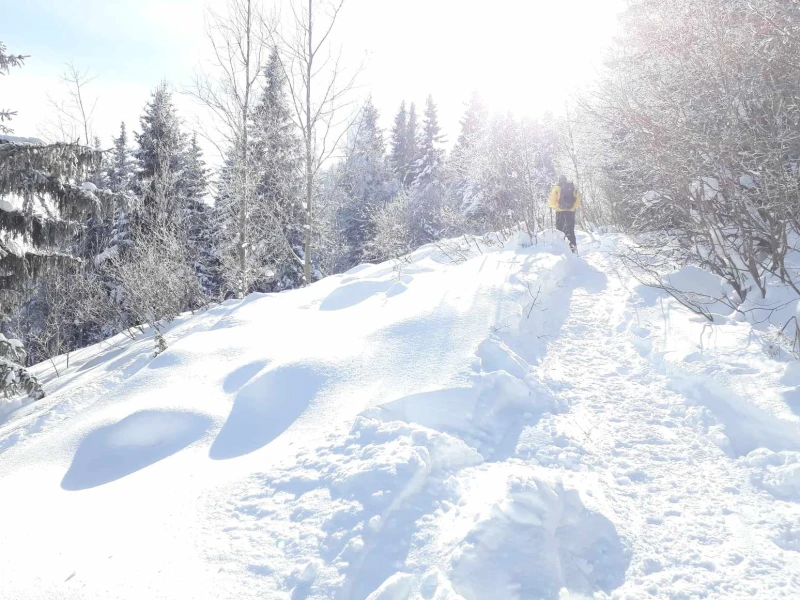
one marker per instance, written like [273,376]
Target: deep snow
[519,424]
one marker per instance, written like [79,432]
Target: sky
[522,56]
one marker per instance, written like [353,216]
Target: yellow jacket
[555,196]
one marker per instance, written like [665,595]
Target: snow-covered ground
[521,424]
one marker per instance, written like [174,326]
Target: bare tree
[230,93]
[319,87]
[72,115]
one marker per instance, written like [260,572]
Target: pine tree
[430,156]
[399,152]
[198,220]
[463,163]
[160,162]
[272,222]
[42,208]
[120,171]
[427,190]
[412,147]
[366,182]
[14,378]
[473,123]
[119,175]
[277,154]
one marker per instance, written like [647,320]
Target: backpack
[566,200]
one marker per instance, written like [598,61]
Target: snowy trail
[523,424]
[699,527]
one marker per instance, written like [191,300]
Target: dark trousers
[565,223]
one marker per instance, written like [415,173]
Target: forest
[688,141]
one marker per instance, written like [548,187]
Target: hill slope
[521,423]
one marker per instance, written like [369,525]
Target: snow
[11,202]
[4,138]
[706,188]
[520,424]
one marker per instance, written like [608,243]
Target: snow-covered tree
[366,182]
[319,86]
[427,188]
[231,92]
[160,158]
[277,154]
[412,147]
[464,153]
[398,158]
[697,110]
[43,206]
[14,378]
[120,168]
[198,223]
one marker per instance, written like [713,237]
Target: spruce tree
[430,155]
[464,189]
[14,378]
[160,162]
[412,147]
[198,219]
[473,123]
[366,182]
[42,209]
[277,153]
[120,173]
[427,190]
[120,170]
[398,159]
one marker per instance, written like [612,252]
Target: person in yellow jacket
[565,199]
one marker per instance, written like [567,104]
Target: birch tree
[319,88]
[230,92]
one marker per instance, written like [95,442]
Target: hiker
[565,199]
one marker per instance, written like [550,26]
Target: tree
[42,208]
[14,378]
[198,223]
[120,171]
[6,62]
[278,157]
[412,147]
[464,154]
[427,188]
[160,162]
[318,92]
[398,158]
[231,94]
[72,116]
[697,110]
[366,182]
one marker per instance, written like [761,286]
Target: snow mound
[538,540]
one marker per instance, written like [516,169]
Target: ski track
[568,461]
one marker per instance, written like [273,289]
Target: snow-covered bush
[713,161]
[154,282]
[393,229]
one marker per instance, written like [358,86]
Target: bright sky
[523,56]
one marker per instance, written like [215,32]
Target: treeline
[97,241]
[689,141]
